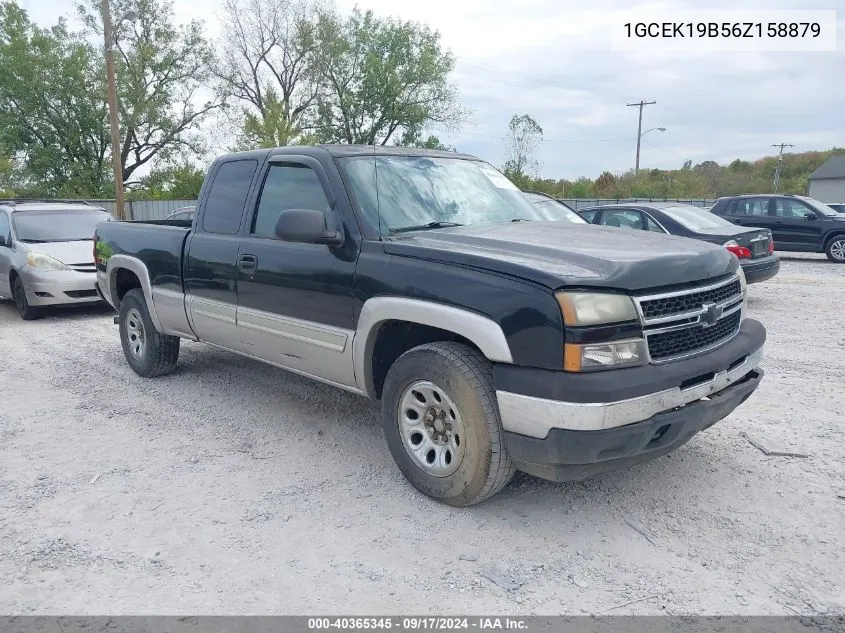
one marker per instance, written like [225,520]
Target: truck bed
[163,247]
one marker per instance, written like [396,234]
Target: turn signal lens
[578,358]
[771,247]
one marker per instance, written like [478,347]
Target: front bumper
[59,287]
[613,419]
[757,270]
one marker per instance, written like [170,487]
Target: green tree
[52,108]
[161,71]
[273,128]
[522,142]
[173,182]
[382,77]
[269,67]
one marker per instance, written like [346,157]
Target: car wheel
[835,250]
[26,311]
[148,352]
[441,422]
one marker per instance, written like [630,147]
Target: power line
[780,160]
[640,105]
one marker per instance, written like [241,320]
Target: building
[827,183]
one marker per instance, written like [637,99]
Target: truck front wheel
[148,352]
[442,425]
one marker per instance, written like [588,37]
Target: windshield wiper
[26,241]
[520,220]
[423,227]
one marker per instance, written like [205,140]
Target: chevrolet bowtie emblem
[711,315]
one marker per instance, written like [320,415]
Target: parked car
[556,348]
[797,223]
[839,207]
[754,247]
[553,209]
[182,214]
[46,254]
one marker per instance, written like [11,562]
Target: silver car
[46,254]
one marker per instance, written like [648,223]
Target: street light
[659,129]
[117,165]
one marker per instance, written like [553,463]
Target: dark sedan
[754,247]
[553,209]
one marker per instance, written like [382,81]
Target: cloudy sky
[554,60]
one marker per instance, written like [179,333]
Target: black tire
[466,377]
[835,249]
[158,353]
[26,311]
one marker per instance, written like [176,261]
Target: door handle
[778,223]
[247,263]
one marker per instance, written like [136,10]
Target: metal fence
[582,203]
[160,209]
[144,209]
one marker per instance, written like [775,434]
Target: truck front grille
[686,322]
[669,305]
[668,345]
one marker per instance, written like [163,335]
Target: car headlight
[44,262]
[594,308]
[612,355]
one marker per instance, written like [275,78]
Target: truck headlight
[44,262]
[613,355]
[594,308]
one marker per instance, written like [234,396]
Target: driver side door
[796,225]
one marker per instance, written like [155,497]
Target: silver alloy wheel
[135,332]
[431,428]
[837,250]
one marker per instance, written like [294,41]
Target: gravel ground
[231,487]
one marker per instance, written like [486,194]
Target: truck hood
[557,254]
[79,252]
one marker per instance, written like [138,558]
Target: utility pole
[780,160]
[117,164]
[640,105]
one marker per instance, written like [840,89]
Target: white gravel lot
[231,487]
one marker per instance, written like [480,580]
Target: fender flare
[135,265]
[482,331]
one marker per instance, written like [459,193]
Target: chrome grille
[83,268]
[688,301]
[667,345]
[686,322]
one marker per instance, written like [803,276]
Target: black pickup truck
[495,339]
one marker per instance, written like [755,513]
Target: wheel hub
[431,428]
[135,334]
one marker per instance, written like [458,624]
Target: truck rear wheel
[441,422]
[148,352]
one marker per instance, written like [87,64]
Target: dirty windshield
[413,192]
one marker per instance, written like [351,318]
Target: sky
[556,61]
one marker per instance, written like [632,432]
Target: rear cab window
[227,197]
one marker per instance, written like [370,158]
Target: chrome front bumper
[535,417]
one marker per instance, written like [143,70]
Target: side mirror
[811,216]
[6,240]
[307,226]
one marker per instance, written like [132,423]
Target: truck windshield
[57,226]
[432,192]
